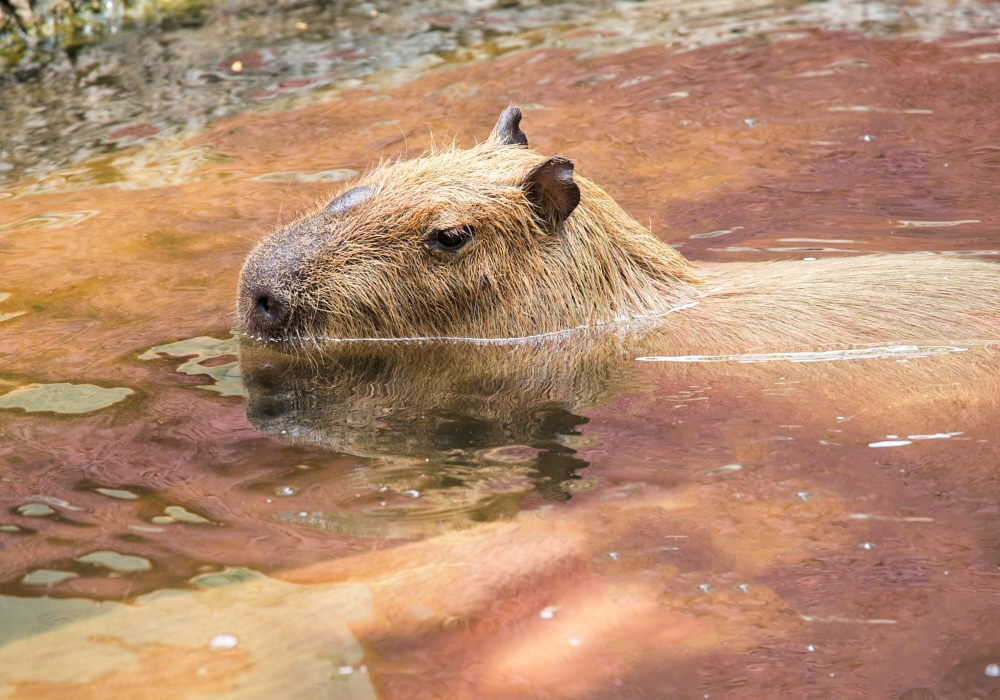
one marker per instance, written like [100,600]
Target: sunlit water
[582,516]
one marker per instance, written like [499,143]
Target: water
[544,519]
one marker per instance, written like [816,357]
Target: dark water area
[181,516]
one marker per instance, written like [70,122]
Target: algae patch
[63,398]
[47,577]
[118,493]
[226,376]
[121,563]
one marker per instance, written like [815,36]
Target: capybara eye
[450,239]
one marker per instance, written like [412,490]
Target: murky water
[553,519]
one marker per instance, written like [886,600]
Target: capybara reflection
[500,242]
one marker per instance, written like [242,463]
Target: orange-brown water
[599,549]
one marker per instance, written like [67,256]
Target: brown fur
[367,272]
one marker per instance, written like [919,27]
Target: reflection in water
[456,432]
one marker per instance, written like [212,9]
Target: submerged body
[869,299]
[498,242]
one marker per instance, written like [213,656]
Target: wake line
[878,352]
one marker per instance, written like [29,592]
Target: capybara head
[493,242]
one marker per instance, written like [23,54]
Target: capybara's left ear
[551,189]
[508,132]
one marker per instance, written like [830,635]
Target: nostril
[265,311]
[268,307]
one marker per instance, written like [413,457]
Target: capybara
[499,242]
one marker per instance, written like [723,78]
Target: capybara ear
[350,199]
[550,187]
[508,132]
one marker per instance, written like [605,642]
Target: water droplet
[811,648]
[303,514]
[547,614]
[866,137]
[745,587]
[613,555]
[751,123]
[285,491]
[808,258]
[223,641]
[993,671]
[804,495]
[345,670]
[867,545]
[412,493]
[705,587]
[267,500]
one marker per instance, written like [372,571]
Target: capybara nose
[268,307]
[266,314]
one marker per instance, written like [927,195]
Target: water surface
[539,520]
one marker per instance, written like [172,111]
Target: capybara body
[499,242]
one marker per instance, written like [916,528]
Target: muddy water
[541,521]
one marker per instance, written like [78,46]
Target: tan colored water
[423,526]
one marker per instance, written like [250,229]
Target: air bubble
[223,641]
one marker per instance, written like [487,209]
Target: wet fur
[366,272]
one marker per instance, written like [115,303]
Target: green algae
[118,493]
[182,515]
[120,563]
[228,577]
[63,398]
[35,510]
[47,577]
[204,348]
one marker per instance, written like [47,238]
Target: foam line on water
[877,352]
